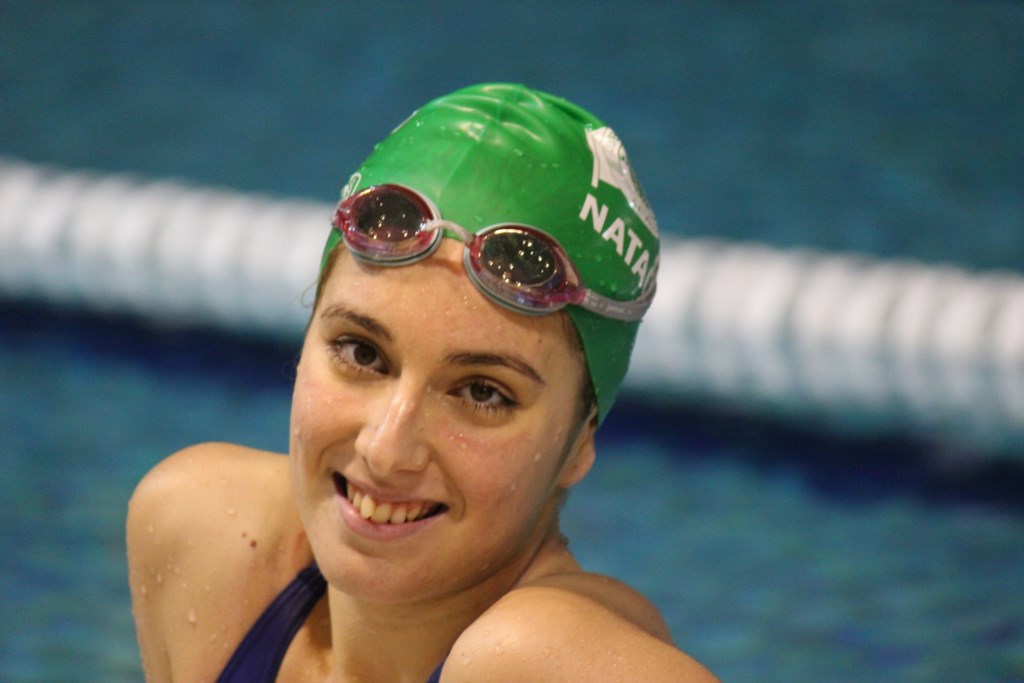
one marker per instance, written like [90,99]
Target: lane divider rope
[862,344]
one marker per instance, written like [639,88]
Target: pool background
[777,553]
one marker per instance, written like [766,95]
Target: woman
[445,402]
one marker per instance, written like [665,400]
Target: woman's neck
[406,641]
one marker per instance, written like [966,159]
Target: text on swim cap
[618,234]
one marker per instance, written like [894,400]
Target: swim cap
[498,153]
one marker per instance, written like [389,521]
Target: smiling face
[432,432]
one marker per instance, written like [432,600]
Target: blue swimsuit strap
[259,655]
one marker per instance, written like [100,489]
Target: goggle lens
[386,224]
[522,266]
[520,260]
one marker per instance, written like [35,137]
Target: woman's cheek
[503,470]
[314,409]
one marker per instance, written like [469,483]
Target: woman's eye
[482,393]
[360,354]
[363,354]
[486,396]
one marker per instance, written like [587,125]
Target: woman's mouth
[385,512]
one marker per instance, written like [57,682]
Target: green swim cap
[497,153]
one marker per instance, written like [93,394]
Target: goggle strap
[628,311]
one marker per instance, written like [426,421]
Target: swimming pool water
[776,555]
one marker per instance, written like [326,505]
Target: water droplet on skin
[512,487]
[143,590]
[159,578]
[192,616]
[149,528]
[231,511]
[536,457]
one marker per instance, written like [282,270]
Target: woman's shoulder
[203,487]
[212,535]
[571,627]
[217,502]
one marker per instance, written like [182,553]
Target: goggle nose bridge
[447,228]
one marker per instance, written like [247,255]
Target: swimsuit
[260,653]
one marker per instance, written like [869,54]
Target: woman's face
[448,421]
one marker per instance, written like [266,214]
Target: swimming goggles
[517,266]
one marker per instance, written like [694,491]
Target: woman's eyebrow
[504,360]
[369,324]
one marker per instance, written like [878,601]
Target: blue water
[777,554]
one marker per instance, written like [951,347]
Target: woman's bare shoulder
[571,627]
[212,534]
[215,502]
[204,486]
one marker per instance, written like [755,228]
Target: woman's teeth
[387,513]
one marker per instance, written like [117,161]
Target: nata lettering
[619,235]
[611,166]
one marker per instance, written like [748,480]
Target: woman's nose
[392,437]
